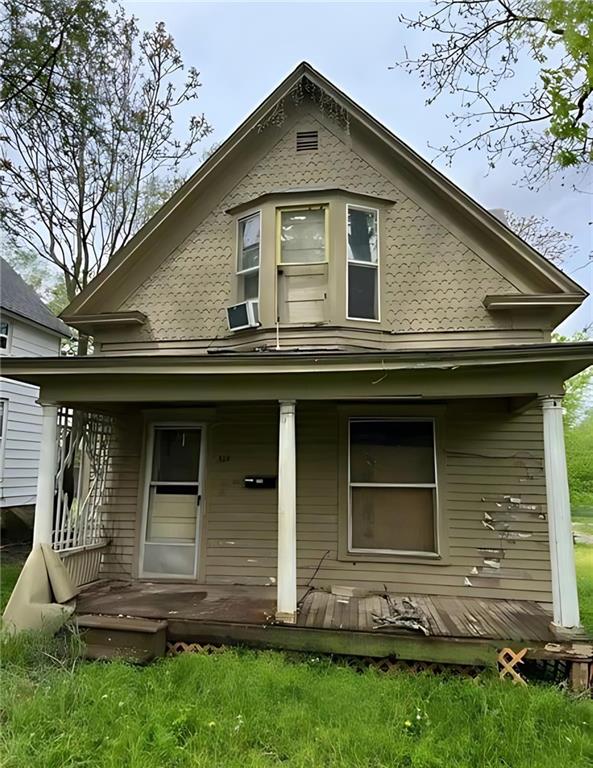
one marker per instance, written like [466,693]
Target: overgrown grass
[258,710]
[261,709]
[584,564]
[9,573]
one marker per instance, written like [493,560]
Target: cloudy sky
[244,49]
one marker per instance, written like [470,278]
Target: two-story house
[322,374]
[27,329]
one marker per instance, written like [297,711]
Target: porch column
[48,461]
[287,593]
[564,583]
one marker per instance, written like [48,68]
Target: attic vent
[307,140]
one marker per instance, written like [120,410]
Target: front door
[173,499]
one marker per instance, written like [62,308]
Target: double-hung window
[248,257]
[392,486]
[302,234]
[363,263]
[4,336]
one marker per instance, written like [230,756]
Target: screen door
[174,497]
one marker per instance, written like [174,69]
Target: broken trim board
[41,595]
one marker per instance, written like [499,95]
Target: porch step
[110,637]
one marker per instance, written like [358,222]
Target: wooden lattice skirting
[387,665]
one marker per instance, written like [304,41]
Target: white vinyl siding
[22,420]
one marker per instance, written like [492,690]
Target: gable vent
[307,141]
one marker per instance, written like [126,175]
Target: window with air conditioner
[362,263]
[248,257]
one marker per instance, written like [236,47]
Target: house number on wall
[223,459]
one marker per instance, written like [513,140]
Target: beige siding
[431,281]
[494,502]
[121,503]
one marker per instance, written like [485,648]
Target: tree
[478,47]
[579,456]
[555,245]
[77,174]
[34,36]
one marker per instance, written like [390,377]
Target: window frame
[8,336]
[366,264]
[353,552]
[302,207]
[240,273]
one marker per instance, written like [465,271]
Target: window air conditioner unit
[243,315]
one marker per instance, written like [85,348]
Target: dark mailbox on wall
[259,481]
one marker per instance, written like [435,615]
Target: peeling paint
[467,582]
[492,563]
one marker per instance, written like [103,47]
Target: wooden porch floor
[444,617]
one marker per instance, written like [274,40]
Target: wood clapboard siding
[493,489]
[123,489]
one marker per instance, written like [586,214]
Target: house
[27,329]
[323,402]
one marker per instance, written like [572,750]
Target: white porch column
[48,460]
[564,583]
[287,592]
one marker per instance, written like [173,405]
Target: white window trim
[152,427]
[326,228]
[366,264]
[435,486]
[8,337]
[251,270]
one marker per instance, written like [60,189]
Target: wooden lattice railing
[79,536]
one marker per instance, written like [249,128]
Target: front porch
[459,630]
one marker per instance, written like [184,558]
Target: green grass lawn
[9,573]
[262,709]
[249,709]
[584,563]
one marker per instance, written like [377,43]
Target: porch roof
[306,374]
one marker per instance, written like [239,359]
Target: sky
[244,49]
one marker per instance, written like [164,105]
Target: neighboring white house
[27,329]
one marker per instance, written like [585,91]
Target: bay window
[248,257]
[363,263]
[392,486]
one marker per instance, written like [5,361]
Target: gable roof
[20,299]
[402,153]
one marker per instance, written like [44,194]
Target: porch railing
[83,443]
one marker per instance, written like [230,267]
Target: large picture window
[248,257]
[363,264]
[392,486]
[303,235]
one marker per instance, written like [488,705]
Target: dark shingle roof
[20,299]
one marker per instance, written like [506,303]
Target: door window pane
[362,292]
[302,236]
[362,235]
[393,518]
[176,455]
[391,452]
[249,239]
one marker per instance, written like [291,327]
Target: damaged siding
[494,499]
